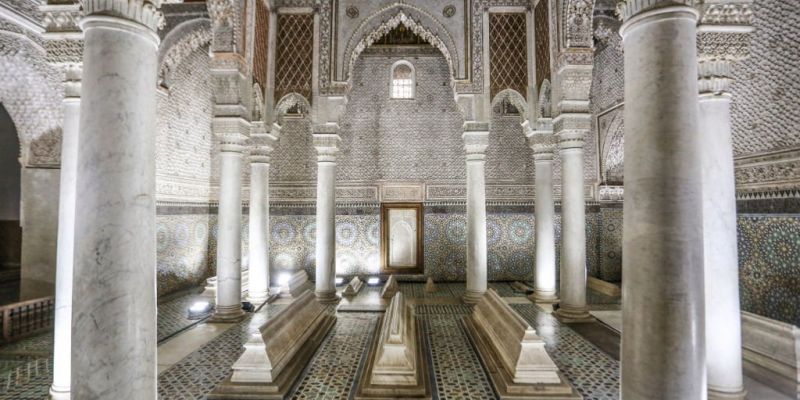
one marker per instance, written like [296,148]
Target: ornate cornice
[725,13]
[61,18]
[145,12]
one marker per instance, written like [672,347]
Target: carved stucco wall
[31,92]
[393,139]
[766,89]
[186,160]
[765,120]
[415,140]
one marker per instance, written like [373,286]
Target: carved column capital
[232,133]
[261,144]
[476,140]
[326,141]
[629,8]
[145,12]
[571,129]
[542,141]
[723,37]
[72,81]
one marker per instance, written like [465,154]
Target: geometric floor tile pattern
[456,370]
[592,372]
[196,375]
[172,315]
[332,371]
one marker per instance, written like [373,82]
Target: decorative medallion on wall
[449,11]
[352,11]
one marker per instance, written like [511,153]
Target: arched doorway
[10,230]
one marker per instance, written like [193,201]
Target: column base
[59,393]
[714,394]
[227,314]
[543,297]
[472,297]
[573,314]
[327,297]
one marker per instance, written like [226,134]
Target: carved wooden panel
[294,55]
[508,52]
[542,42]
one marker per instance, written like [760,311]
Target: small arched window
[402,80]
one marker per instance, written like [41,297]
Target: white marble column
[543,144]
[663,336]
[114,281]
[572,306]
[326,141]
[722,41]
[229,225]
[62,333]
[261,147]
[721,260]
[476,140]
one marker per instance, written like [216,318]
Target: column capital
[571,139]
[572,122]
[723,38]
[327,145]
[232,133]
[261,144]
[476,141]
[630,8]
[543,145]
[145,12]
[72,81]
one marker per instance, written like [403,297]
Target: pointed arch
[417,20]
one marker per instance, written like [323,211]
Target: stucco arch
[31,93]
[515,98]
[179,43]
[381,22]
[545,104]
[287,102]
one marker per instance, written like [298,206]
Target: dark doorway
[10,230]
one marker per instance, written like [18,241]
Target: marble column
[721,42]
[62,334]
[476,140]
[114,280]
[663,336]
[229,225]
[572,307]
[261,147]
[721,260]
[543,144]
[326,141]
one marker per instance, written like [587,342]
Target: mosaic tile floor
[456,370]
[594,373]
[172,315]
